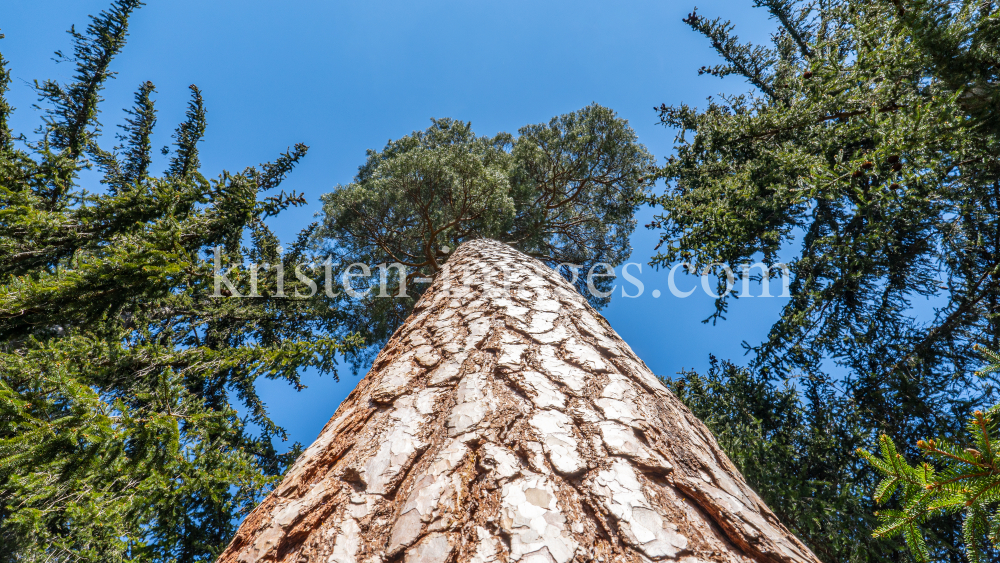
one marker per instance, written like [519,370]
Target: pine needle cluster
[957,478]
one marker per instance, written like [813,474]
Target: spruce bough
[957,478]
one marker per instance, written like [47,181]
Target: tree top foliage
[565,192]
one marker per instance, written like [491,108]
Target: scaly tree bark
[506,421]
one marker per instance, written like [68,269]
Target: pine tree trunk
[506,421]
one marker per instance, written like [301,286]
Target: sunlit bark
[507,421]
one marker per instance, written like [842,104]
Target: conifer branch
[137,129]
[189,133]
[749,61]
[968,480]
[273,173]
[783,10]
[75,107]
[6,142]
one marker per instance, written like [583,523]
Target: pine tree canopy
[120,375]
[565,192]
[867,149]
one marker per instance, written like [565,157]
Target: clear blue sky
[343,77]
